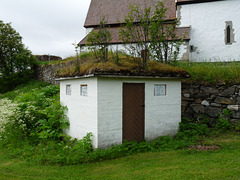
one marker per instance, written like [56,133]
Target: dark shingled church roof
[114,11]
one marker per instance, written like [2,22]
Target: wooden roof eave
[120,76]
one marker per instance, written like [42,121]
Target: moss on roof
[126,67]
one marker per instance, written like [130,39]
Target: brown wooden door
[133,111]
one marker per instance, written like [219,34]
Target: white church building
[211,27]
[214,29]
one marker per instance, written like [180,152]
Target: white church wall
[208,24]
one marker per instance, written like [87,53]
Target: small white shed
[117,108]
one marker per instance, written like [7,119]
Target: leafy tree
[16,61]
[136,36]
[99,40]
[147,33]
[165,44]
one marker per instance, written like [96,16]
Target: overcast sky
[47,26]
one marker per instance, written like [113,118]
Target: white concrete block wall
[162,113]
[208,22]
[82,110]
[109,111]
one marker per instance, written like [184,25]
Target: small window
[68,90]
[191,48]
[160,89]
[84,90]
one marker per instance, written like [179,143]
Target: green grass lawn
[223,163]
[212,73]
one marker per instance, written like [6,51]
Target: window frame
[159,93]
[82,93]
[229,33]
[68,91]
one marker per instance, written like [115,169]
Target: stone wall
[48,58]
[210,101]
[47,73]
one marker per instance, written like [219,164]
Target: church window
[229,33]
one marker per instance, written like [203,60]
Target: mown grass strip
[181,164]
[210,73]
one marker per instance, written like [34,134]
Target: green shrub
[37,117]
[223,123]
[192,128]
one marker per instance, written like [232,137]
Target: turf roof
[126,67]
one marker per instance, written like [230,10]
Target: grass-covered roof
[125,67]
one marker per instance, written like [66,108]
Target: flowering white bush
[36,114]
[7,110]
[25,117]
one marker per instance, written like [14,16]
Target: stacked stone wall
[48,58]
[47,73]
[210,100]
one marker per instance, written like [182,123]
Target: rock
[198,101]
[189,112]
[197,108]
[196,91]
[187,99]
[212,97]
[236,115]
[186,95]
[213,111]
[195,86]
[191,90]
[233,107]
[216,105]
[184,90]
[209,90]
[205,103]
[235,121]
[223,100]
[184,103]
[229,91]
[220,84]
[238,100]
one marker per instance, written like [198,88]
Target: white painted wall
[162,113]
[82,110]
[207,21]
[104,104]
[109,111]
